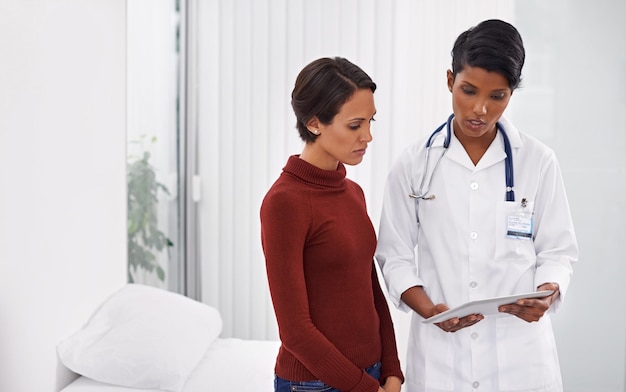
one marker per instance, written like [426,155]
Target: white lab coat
[463,254]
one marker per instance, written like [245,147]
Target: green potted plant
[145,240]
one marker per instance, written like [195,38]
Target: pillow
[142,337]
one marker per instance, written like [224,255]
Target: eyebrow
[502,90]
[361,118]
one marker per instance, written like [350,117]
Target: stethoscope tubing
[446,142]
[508,161]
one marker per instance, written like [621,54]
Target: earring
[315,131]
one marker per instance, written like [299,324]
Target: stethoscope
[508,161]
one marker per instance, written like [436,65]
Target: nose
[366,136]
[480,107]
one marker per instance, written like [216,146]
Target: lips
[475,124]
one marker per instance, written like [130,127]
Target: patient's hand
[392,384]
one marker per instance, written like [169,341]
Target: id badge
[519,224]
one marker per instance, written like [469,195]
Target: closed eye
[499,96]
[356,125]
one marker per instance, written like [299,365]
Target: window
[152,143]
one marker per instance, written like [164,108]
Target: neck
[476,146]
[316,158]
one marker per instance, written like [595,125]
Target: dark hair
[322,87]
[494,45]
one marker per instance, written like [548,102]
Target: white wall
[62,178]
[577,95]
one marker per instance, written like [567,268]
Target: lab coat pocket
[438,362]
[508,247]
[527,357]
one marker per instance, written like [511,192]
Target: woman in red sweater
[334,323]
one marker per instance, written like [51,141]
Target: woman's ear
[313,125]
[450,77]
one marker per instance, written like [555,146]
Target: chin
[352,162]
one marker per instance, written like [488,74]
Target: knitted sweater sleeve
[390,362]
[285,221]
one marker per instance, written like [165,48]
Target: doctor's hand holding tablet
[528,307]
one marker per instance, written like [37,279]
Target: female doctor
[484,206]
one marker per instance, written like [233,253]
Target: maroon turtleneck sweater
[319,245]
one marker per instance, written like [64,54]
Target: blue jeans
[282,385]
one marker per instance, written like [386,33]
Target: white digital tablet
[485,306]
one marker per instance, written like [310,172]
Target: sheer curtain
[248,53]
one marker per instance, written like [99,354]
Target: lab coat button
[474,335]
[475,384]
[474,186]
[473,284]
[473,235]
